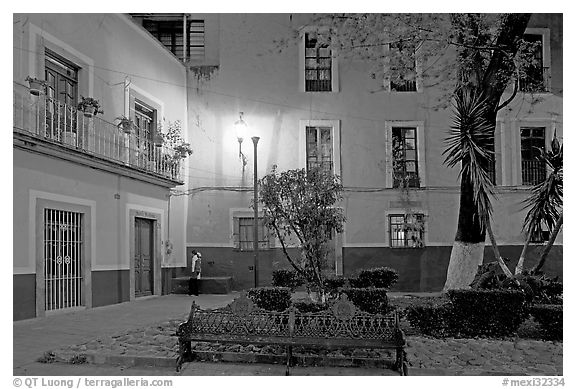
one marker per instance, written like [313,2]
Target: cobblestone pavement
[455,356]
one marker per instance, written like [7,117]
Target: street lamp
[241,130]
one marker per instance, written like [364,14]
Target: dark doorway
[143,257]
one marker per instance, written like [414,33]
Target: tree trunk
[468,249]
[549,245]
[520,264]
[503,265]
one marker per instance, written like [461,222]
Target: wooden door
[143,257]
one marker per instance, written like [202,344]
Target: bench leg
[399,365]
[184,350]
[288,359]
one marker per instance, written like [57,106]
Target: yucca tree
[545,204]
[469,145]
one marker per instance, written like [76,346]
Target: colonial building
[105,214]
[94,222]
[309,107]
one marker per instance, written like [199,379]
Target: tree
[545,204]
[301,206]
[461,54]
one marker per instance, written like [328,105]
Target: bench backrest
[341,321]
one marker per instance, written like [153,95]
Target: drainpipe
[185,36]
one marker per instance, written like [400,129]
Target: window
[244,234]
[407,230]
[319,148]
[144,117]
[61,97]
[402,68]
[405,158]
[532,80]
[317,64]
[171,34]
[532,140]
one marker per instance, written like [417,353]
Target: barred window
[318,65]
[407,230]
[405,158]
[403,68]
[319,151]
[532,140]
[244,234]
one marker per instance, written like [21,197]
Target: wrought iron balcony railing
[533,172]
[51,120]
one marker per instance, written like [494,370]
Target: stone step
[206,285]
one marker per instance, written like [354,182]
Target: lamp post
[241,129]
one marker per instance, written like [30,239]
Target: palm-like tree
[469,144]
[545,204]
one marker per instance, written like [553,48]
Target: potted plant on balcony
[37,87]
[125,124]
[158,139]
[90,106]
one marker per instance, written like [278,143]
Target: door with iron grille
[63,259]
[143,257]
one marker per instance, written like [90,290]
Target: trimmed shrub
[305,306]
[371,300]
[271,298]
[486,312]
[550,319]
[379,277]
[333,285]
[431,318]
[286,278]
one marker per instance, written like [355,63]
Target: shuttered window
[244,234]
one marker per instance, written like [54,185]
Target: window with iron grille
[317,65]
[171,34]
[319,151]
[532,79]
[532,142]
[405,158]
[244,234]
[407,230]
[402,68]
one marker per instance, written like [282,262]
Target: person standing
[196,268]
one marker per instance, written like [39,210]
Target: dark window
[144,120]
[405,158]
[402,68]
[319,148]
[61,96]
[317,65]
[532,143]
[245,234]
[532,79]
[171,34]
[407,230]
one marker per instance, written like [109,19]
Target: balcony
[66,133]
[533,172]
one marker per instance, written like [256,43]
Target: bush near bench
[379,277]
[287,279]
[271,298]
[470,313]
[371,300]
[550,319]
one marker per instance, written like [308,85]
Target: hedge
[379,277]
[550,319]
[286,278]
[271,298]
[431,318]
[486,312]
[371,300]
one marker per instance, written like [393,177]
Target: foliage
[286,278]
[332,286]
[88,102]
[468,146]
[379,277]
[550,318]
[125,123]
[173,139]
[47,357]
[430,318]
[306,306]
[371,300]
[300,206]
[537,288]
[486,312]
[34,80]
[271,298]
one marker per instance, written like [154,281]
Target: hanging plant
[158,139]
[125,124]
[90,106]
[37,87]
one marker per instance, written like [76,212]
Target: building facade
[311,107]
[94,219]
[103,215]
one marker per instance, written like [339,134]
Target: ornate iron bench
[341,326]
